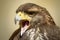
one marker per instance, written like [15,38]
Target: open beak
[20,17]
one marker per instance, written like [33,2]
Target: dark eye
[32,12]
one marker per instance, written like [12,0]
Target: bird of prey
[35,24]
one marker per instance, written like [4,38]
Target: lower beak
[23,29]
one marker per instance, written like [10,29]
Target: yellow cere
[24,15]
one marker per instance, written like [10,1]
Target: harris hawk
[35,24]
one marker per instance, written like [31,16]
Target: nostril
[20,15]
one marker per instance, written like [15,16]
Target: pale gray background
[7,13]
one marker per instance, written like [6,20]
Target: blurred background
[8,9]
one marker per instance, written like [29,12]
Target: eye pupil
[31,13]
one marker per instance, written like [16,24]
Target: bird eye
[32,12]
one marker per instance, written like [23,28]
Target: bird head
[31,14]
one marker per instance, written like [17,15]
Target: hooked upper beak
[17,18]
[21,15]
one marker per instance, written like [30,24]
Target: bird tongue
[23,29]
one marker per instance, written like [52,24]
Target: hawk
[35,24]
